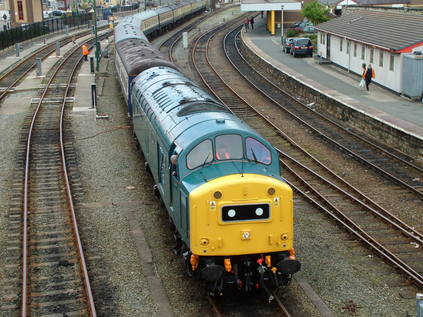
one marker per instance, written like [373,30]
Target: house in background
[338,6]
[25,11]
[390,41]
[4,15]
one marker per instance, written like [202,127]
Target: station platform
[335,82]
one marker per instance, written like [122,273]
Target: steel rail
[374,244]
[88,291]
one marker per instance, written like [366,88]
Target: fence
[26,32]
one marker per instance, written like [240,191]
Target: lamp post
[282,24]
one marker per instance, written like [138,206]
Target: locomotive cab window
[200,154]
[229,147]
[257,152]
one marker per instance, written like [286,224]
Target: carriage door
[174,188]
[328,46]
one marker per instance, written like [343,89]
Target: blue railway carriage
[165,17]
[231,213]
[149,21]
[177,12]
[134,54]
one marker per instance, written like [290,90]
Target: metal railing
[22,33]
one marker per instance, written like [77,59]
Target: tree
[315,12]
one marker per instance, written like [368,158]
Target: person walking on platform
[85,51]
[252,23]
[246,24]
[369,75]
[363,75]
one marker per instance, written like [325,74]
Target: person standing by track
[85,51]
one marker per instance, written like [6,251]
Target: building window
[324,38]
[348,47]
[363,50]
[340,45]
[371,55]
[355,49]
[380,58]
[20,10]
[391,63]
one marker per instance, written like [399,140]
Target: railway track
[14,74]
[249,305]
[394,240]
[54,276]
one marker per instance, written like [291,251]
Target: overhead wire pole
[97,44]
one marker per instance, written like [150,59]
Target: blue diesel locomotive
[231,212]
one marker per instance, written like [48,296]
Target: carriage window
[229,147]
[202,153]
[256,151]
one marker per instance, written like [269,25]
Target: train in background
[231,213]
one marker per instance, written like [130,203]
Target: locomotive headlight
[284,236]
[217,194]
[231,213]
[271,191]
[259,211]
[204,241]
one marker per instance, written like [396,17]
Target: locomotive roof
[128,31]
[137,55]
[181,110]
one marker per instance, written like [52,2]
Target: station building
[390,40]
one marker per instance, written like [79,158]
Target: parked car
[303,26]
[309,29]
[302,46]
[287,43]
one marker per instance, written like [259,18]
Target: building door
[328,46]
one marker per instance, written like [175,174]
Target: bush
[292,33]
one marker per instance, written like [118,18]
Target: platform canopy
[270,5]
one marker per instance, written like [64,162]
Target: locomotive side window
[200,154]
[256,151]
[229,147]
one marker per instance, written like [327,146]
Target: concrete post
[92,69]
[38,63]
[18,49]
[93,95]
[185,39]
[58,48]
[419,297]
[67,29]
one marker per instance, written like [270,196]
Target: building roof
[386,30]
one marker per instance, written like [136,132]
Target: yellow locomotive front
[241,232]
